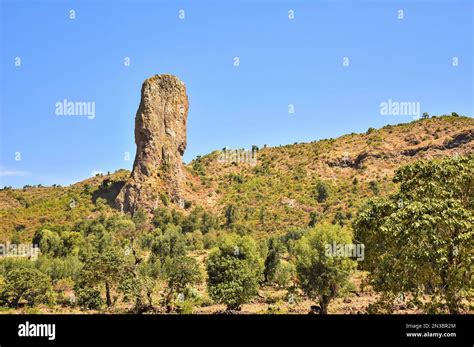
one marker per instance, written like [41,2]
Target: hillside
[280,192]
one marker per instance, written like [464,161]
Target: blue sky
[282,61]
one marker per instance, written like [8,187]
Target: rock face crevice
[160,136]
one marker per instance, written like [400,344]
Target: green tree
[234,271]
[60,268]
[323,275]
[140,220]
[374,186]
[322,192]
[230,215]
[49,242]
[421,238]
[313,219]
[138,284]
[181,272]
[194,240]
[104,268]
[275,248]
[171,243]
[285,273]
[104,261]
[161,218]
[28,285]
[89,298]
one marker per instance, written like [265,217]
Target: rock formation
[160,136]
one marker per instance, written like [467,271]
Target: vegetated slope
[280,191]
[22,211]
[289,185]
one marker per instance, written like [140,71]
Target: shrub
[374,186]
[89,298]
[284,274]
[194,240]
[313,219]
[322,192]
[59,268]
[210,239]
[231,215]
[170,244]
[62,287]
[26,285]
[49,242]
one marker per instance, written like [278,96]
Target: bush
[234,271]
[284,274]
[322,192]
[313,219]
[62,288]
[170,244]
[210,239]
[231,215]
[89,298]
[49,242]
[59,268]
[374,186]
[194,240]
[26,285]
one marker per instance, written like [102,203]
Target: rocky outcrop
[457,141]
[160,136]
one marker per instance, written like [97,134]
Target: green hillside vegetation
[255,238]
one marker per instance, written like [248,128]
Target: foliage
[322,192]
[60,268]
[27,285]
[181,273]
[234,271]
[285,274]
[321,275]
[104,263]
[171,243]
[420,240]
[194,240]
[231,215]
[138,284]
[272,260]
[89,298]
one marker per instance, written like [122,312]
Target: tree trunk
[107,293]
[324,303]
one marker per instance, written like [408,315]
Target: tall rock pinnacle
[160,136]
